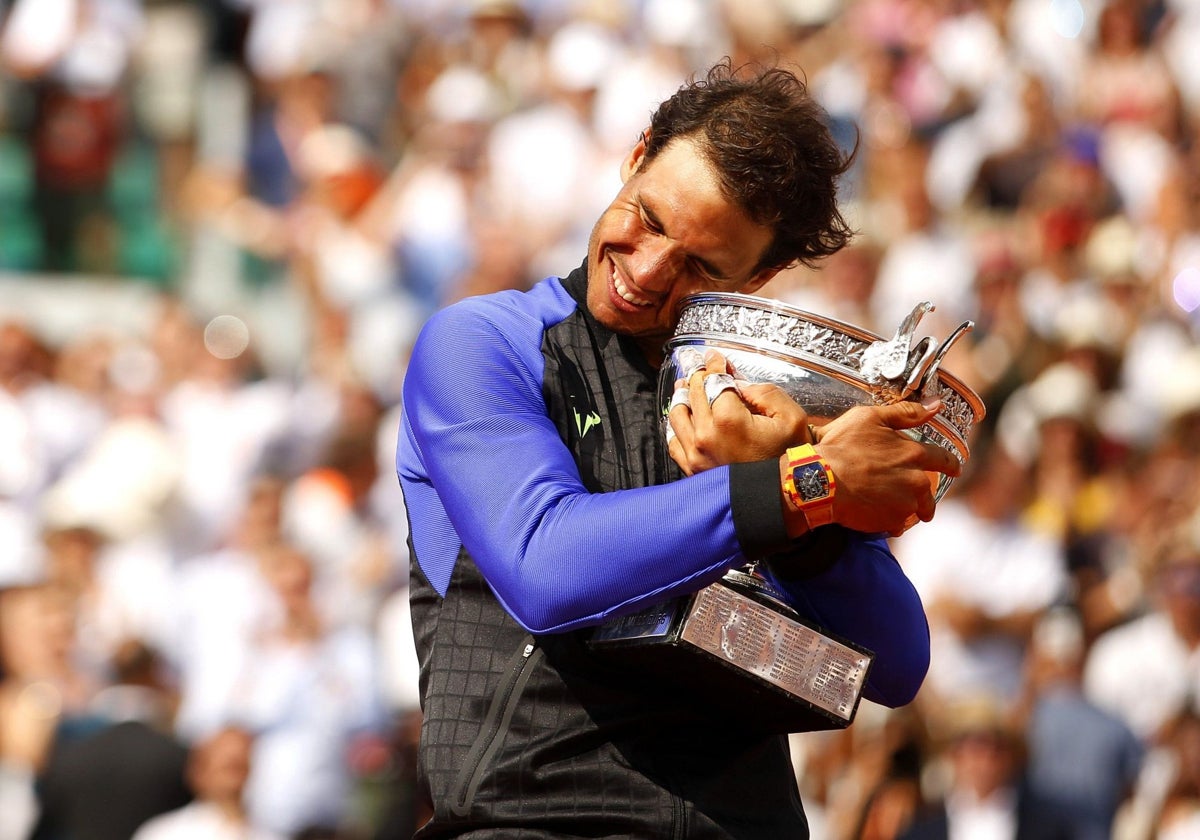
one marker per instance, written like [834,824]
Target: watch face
[811,482]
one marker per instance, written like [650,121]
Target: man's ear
[636,155]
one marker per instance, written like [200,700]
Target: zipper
[495,724]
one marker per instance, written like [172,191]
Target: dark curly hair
[771,146]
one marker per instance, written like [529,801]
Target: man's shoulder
[546,302]
[501,331]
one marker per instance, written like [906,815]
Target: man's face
[221,765]
[670,232]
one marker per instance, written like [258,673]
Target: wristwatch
[810,485]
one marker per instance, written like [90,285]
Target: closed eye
[702,266]
[650,220]
[708,270]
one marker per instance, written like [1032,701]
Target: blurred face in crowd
[1186,737]
[984,762]
[37,631]
[288,572]
[18,349]
[221,765]
[1179,583]
[670,232]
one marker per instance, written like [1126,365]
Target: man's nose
[655,265]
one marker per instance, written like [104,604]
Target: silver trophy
[738,639]
[826,365]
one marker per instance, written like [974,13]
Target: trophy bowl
[826,365]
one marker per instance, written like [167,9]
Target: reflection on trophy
[737,638]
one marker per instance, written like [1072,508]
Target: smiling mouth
[625,293]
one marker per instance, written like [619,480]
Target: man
[118,764]
[989,796]
[543,499]
[218,768]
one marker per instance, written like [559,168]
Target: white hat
[1063,391]
[1180,393]
[1111,250]
[1090,320]
[580,55]
[461,94]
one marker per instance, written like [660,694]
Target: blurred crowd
[223,221]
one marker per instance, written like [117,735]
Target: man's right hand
[883,475]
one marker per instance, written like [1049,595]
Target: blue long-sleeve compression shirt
[489,457]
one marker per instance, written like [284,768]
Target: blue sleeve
[482,465]
[865,597]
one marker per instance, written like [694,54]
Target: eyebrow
[708,268]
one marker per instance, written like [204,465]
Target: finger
[697,399]
[702,393]
[907,415]
[767,399]
[716,384]
[679,457]
[681,396]
[937,459]
[679,435]
[679,426]
[926,506]
[715,362]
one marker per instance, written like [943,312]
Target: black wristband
[810,555]
[756,507]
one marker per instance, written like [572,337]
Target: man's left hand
[716,425]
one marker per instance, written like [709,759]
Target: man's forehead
[681,188]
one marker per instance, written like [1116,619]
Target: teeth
[625,293]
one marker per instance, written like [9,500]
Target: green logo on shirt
[585,423]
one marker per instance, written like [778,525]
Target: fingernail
[932,403]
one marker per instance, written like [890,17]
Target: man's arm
[482,463]
[864,596]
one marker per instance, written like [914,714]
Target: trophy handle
[929,384]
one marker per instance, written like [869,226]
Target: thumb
[908,415]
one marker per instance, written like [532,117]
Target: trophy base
[746,650]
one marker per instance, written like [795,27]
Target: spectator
[29,711]
[221,599]
[1124,79]
[988,794]
[74,55]
[308,688]
[928,256]
[124,767]
[1006,173]
[985,577]
[1084,760]
[217,771]
[1157,649]
[1179,816]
